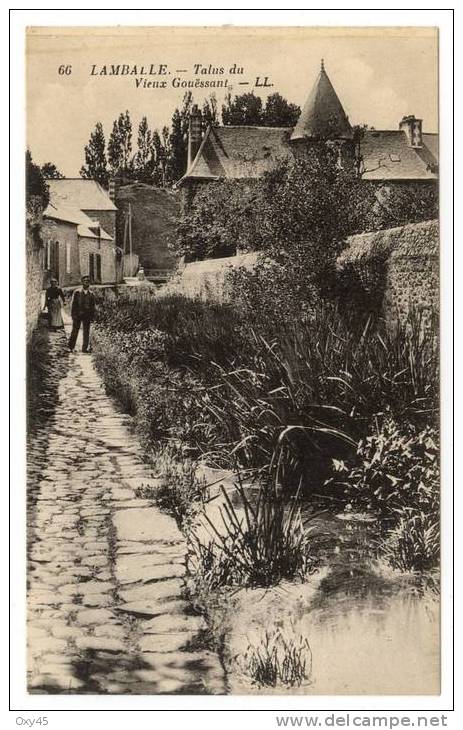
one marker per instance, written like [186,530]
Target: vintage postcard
[232,261]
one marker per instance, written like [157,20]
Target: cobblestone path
[106,606]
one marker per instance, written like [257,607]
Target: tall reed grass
[282,401]
[259,544]
[311,394]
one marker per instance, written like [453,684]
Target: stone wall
[208,279]
[406,258]
[108,258]
[34,273]
[155,215]
[409,258]
[66,235]
[106,219]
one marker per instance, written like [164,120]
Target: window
[54,260]
[91,268]
[48,255]
[95,268]
[68,258]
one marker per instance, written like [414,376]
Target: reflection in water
[371,630]
[367,635]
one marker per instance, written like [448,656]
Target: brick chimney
[413,129]
[194,134]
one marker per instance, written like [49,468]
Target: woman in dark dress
[53,298]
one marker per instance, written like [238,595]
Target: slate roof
[432,143]
[80,193]
[77,217]
[58,213]
[387,155]
[238,152]
[322,114]
[247,152]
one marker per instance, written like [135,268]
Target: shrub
[217,223]
[414,544]
[279,659]
[396,470]
[194,334]
[264,546]
[163,401]
[396,475]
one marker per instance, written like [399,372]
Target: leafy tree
[36,185]
[245,109]
[161,156]
[144,160]
[216,224]
[164,154]
[278,112]
[144,140]
[120,144]
[210,113]
[298,215]
[96,166]
[178,139]
[51,172]
[158,156]
[397,205]
[308,208]
[178,148]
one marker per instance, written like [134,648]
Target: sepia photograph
[232,347]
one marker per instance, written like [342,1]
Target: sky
[380,75]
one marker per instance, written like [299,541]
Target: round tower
[323,119]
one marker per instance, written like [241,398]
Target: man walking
[82,313]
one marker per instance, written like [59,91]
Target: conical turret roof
[323,115]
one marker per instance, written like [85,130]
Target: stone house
[60,248]
[406,156]
[75,240]
[87,196]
